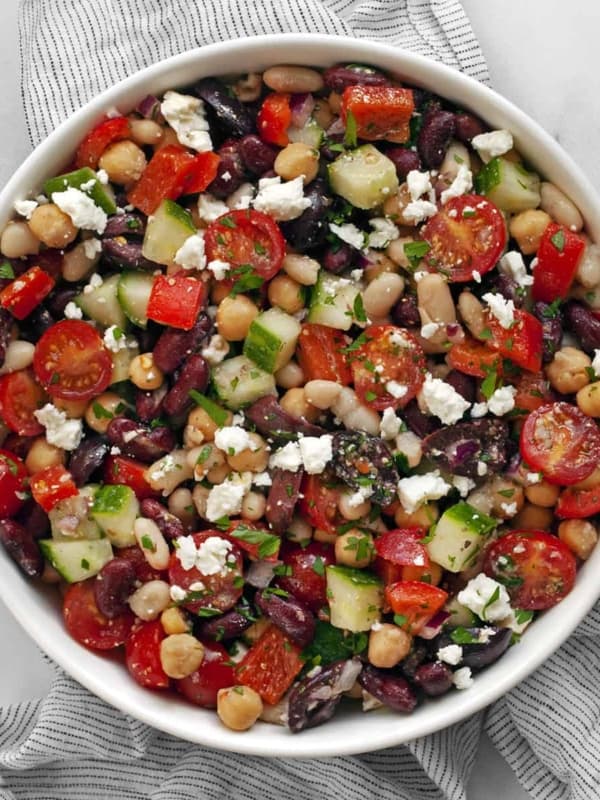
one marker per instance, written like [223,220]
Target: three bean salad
[300,380]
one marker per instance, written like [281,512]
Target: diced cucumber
[509,185]
[115,510]
[310,134]
[333,300]
[70,519]
[102,303]
[166,230]
[76,561]
[459,615]
[101,195]
[355,598]
[239,382]
[271,339]
[133,293]
[458,536]
[121,363]
[365,177]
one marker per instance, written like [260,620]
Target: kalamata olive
[194,375]
[232,114]
[434,679]
[282,499]
[174,346]
[389,688]
[336,258]
[434,137]
[419,423]
[129,224]
[290,615]
[329,150]
[580,321]
[36,324]
[406,312]
[306,580]
[418,653]
[230,172]
[87,458]
[58,299]
[310,229]
[229,625]
[170,526]
[508,288]
[313,700]
[21,547]
[337,78]
[35,520]
[274,421]
[552,330]
[463,384]
[359,458]
[125,254]
[258,156]
[487,645]
[19,445]
[460,448]
[6,321]
[139,442]
[467,127]
[405,160]
[113,585]
[147,337]
[149,405]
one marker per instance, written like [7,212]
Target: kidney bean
[418,422]
[19,445]
[21,547]
[405,312]
[229,625]
[87,458]
[194,375]
[459,448]
[413,660]
[289,614]
[148,336]
[139,442]
[339,77]
[6,321]
[122,253]
[231,112]
[272,420]
[310,229]
[463,384]
[405,160]
[467,126]
[477,655]
[58,299]
[169,525]
[129,224]
[358,456]
[35,520]
[435,136]
[282,499]
[230,172]
[258,156]
[552,330]
[389,688]
[149,405]
[113,585]
[313,700]
[337,259]
[580,321]
[174,346]
[434,679]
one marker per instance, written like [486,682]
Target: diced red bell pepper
[274,118]
[26,292]
[321,354]
[271,665]
[522,342]
[98,139]
[578,503]
[380,112]
[50,485]
[473,358]
[127,471]
[172,172]
[414,603]
[558,257]
[176,300]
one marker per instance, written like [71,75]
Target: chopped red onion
[434,626]
[301,106]
[348,676]
[260,574]
[336,128]
[149,107]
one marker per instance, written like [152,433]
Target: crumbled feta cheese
[419,210]
[83,211]
[479,410]
[534,477]
[384,232]
[241,198]
[417,489]
[512,265]
[534,263]
[398,338]
[162,467]
[283,201]
[396,389]
[482,468]
[262,479]
[288,458]
[519,548]
[219,268]
[349,233]
[462,678]
[430,329]
[234,440]
[357,275]
[210,207]
[476,276]
[72,311]
[115,339]
[177,594]
[191,253]
[360,496]
[376,626]
[492,144]
[224,499]
[216,350]
[390,424]
[502,401]
[510,509]
[442,400]
[501,308]
[185,114]
[418,184]
[25,207]
[212,556]
[60,431]
[115,451]
[486,598]
[461,184]
[316,453]
[464,485]
[185,552]
[91,248]
[596,362]
[102,175]
[88,185]
[451,654]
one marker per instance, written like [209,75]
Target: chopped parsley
[558,240]
[360,314]
[268,543]
[351,133]
[415,251]
[462,635]
[6,271]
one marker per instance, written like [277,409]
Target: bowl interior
[351,731]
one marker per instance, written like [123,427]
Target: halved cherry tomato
[403,547]
[274,118]
[222,590]
[307,581]
[176,300]
[558,257]
[249,240]
[390,363]
[20,396]
[522,342]
[271,665]
[533,391]
[142,655]
[119,469]
[50,485]
[321,354]
[561,442]
[414,601]
[468,235]
[578,503]
[26,292]
[537,569]
[380,112]
[319,503]
[71,362]
[87,625]
[98,139]
[214,673]
[13,482]
[474,358]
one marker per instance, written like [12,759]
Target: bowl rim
[544,636]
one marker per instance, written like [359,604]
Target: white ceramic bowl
[350,731]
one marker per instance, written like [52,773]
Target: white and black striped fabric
[73,746]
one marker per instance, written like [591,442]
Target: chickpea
[123,161]
[423,517]
[144,373]
[254,505]
[568,370]
[234,317]
[74,409]
[238,707]
[286,293]
[354,548]
[290,376]
[218,292]
[181,654]
[507,498]
[350,510]
[527,229]
[42,455]
[251,460]
[297,159]
[294,401]
[18,240]
[532,517]
[542,494]
[181,505]
[579,535]
[204,459]
[388,645]
[326,537]
[77,264]
[150,600]
[146,131]
[588,399]
[174,620]
[200,420]
[102,410]
[52,226]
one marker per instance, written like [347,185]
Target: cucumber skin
[265,346]
[166,231]
[510,186]
[115,510]
[124,290]
[333,310]
[239,370]
[75,179]
[97,552]
[355,598]
[457,537]
[364,177]
[108,313]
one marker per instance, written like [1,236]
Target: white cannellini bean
[588,270]
[410,444]
[200,498]
[322,394]
[303,269]
[345,402]
[290,376]
[560,207]
[152,543]
[150,600]
[362,418]
[169,471]
[19,355]
[382,294]
[77,264]
[435,300]
[456,156]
